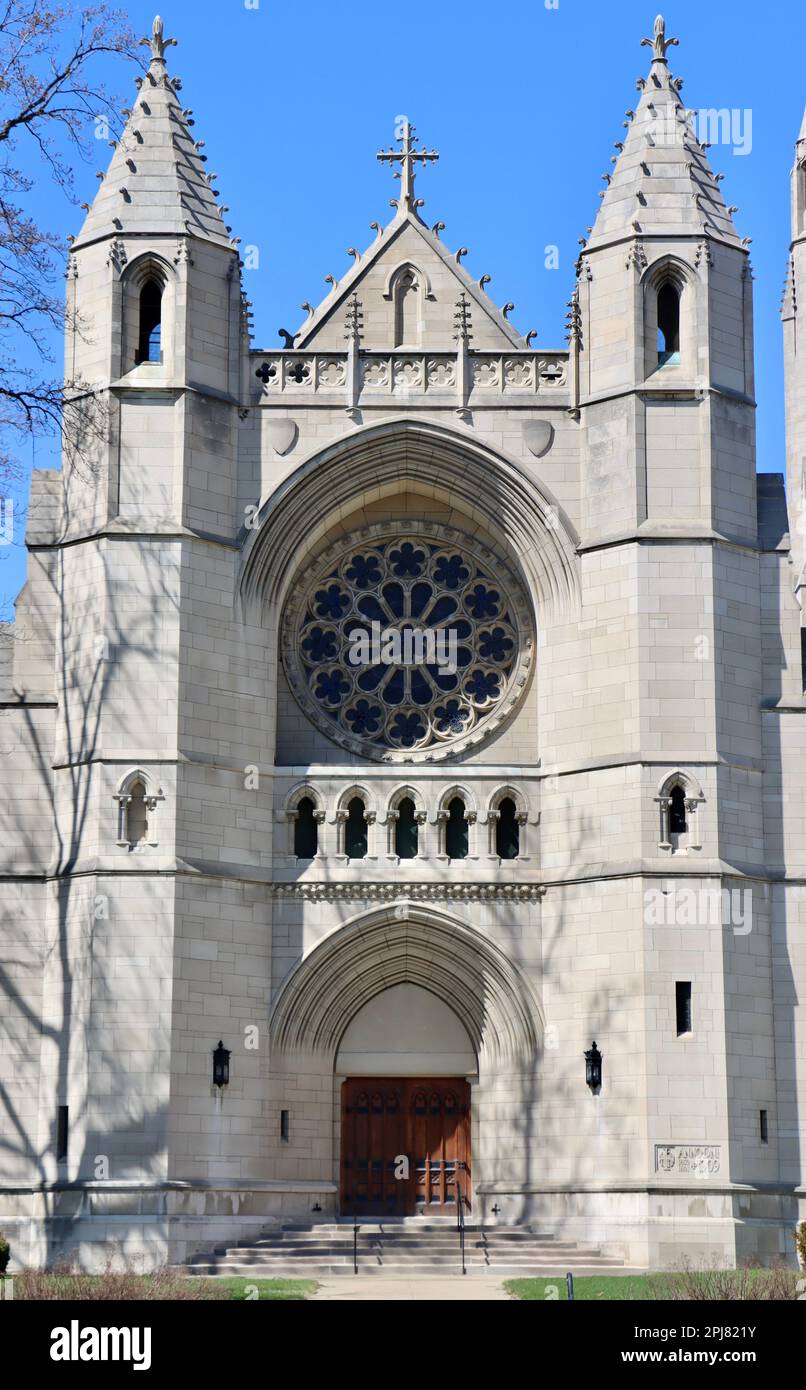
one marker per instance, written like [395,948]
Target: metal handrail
[460,1216]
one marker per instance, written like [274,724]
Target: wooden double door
[405,1145]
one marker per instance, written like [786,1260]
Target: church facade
[405,737]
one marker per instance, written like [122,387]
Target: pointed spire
[661,182]
[156,182]
[802,135]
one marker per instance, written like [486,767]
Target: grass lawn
[269,1290]
[586,1287]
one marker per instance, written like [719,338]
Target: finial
[659,42]
[376,228]
[459,254]
[462,320]
[157,43]
[437,228]
[407,157]
[351,251]
[288,343]
[530,336]
[507,310]
[332,281]
[485,280]
[354,320]
[309,309]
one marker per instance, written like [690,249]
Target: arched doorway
[404,1106]
[428,1094]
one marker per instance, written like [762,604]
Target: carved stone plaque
[689,1160]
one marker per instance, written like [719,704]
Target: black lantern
[593,1067]
[221,1066]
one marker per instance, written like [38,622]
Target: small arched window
[456,832]
[355,830]
[668,325]
[677,811]
[137,815]
[306,830]
[406,296]
[406,830]
[149,342]
[507,830]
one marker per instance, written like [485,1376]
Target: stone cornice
[407,892]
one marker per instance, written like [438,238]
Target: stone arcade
[408,895]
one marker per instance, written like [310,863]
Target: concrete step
[424,1269]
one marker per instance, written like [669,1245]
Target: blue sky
[523,104]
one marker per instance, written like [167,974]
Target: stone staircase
[405,1249]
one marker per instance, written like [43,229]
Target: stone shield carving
[281,434]
[538,435]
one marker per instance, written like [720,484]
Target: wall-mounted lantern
[593,1067]
[221,1066]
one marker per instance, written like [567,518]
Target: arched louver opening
[149,344]
[507,830]
[406,830]
[668,325]
[406,295]
[306,830]
[677,811]
[355,830]
[137,815]
[456,830]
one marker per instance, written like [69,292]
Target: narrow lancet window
[456,833]
[149,347]
[355,830]
[406,830]
[668,325]
[507,830]
[306,830]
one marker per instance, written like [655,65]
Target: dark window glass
[306,831]
[406,830]
[763,1127]
[677,812]
[507,830]
[456,830]
[62,1127]
[668,325]
[355,830]
[683,1006]
[149,346]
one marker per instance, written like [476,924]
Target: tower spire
[156,181]
[661,182]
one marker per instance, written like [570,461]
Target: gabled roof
[405,217]
[662,182]
[156,182]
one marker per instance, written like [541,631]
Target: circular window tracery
[409,646]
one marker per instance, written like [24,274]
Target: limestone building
[408,708]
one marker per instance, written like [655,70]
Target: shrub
[5,1255]
[66,1281]
[714,1285]
[800,1244]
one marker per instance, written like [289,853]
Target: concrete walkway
[380,1288]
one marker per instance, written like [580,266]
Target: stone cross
[407,157]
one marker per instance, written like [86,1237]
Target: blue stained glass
[331,687]
[421,692]
[420,598]
[364,571]
[407,729]
[393,593]
[332,602]
[394,690]
[407,561]
[483,602]
[451,571]
[404,700]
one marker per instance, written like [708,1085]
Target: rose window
[409,645]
